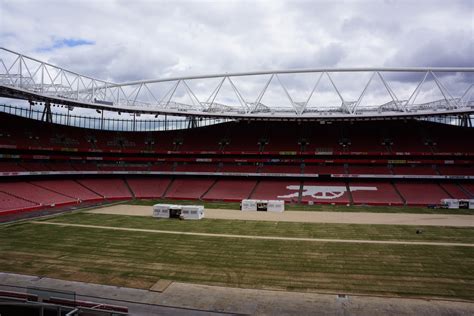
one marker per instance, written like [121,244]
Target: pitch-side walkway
[211,300]
[355,241]
[313,217]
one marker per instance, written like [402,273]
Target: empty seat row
[11,166]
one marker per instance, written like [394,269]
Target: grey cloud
[154,39]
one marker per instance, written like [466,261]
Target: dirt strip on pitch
[312,217]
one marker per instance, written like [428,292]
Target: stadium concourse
[394,162]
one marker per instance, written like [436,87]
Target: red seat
[374,193]
[421,193]
[68,188]
[325,192]
[230,190]
[108,188]
[287,190]
[148,188]
[188,188]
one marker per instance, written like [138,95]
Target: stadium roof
[302,94]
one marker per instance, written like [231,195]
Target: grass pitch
[139,259]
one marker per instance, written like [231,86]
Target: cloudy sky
[131,40]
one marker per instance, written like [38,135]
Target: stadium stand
[277,190]
[60,166]
[11,203]
[34,166]
[455,191]
[148,188]
[296,169]
[414,170]
[9,166]
[324,169]
[469,187]
[325,192]
[436,158]
[85,166]
[421,193]
[68,188]
[162,167]
[384,193]
[456,170]
[36,194]
[356,169]
[108,188]
[197,167]
[230,190]
[191,189]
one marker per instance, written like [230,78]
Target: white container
[248,205]
[162,210]
[276,206]
[450,203]
[192,211]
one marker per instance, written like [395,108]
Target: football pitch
[137,251]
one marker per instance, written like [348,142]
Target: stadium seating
[244,137]
[162,167]
[414,170]
[239,168]
[110,167]
[35,194]
[277,190]
[11,167]
[148,188]
[324,169]
[191,189]
[136,167]
[60,166]
[192,140]
[35,166]
[68,188]
[281,169]
[85,166]
[325,192]
[197,167]
[384,193]
[108,188]
[469,187]
[337,152]
[231,190]
[421,193]
[357,169]
[360,137]
[10,203]
[456,170]
[455,191]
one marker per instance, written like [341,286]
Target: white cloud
[153,39]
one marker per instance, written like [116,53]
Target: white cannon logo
[321,192]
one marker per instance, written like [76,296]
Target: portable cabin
[192,212]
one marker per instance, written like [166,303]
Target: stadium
[81,158]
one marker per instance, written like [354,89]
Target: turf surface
[282,229]
[139,259]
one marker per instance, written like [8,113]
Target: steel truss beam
[27,78]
